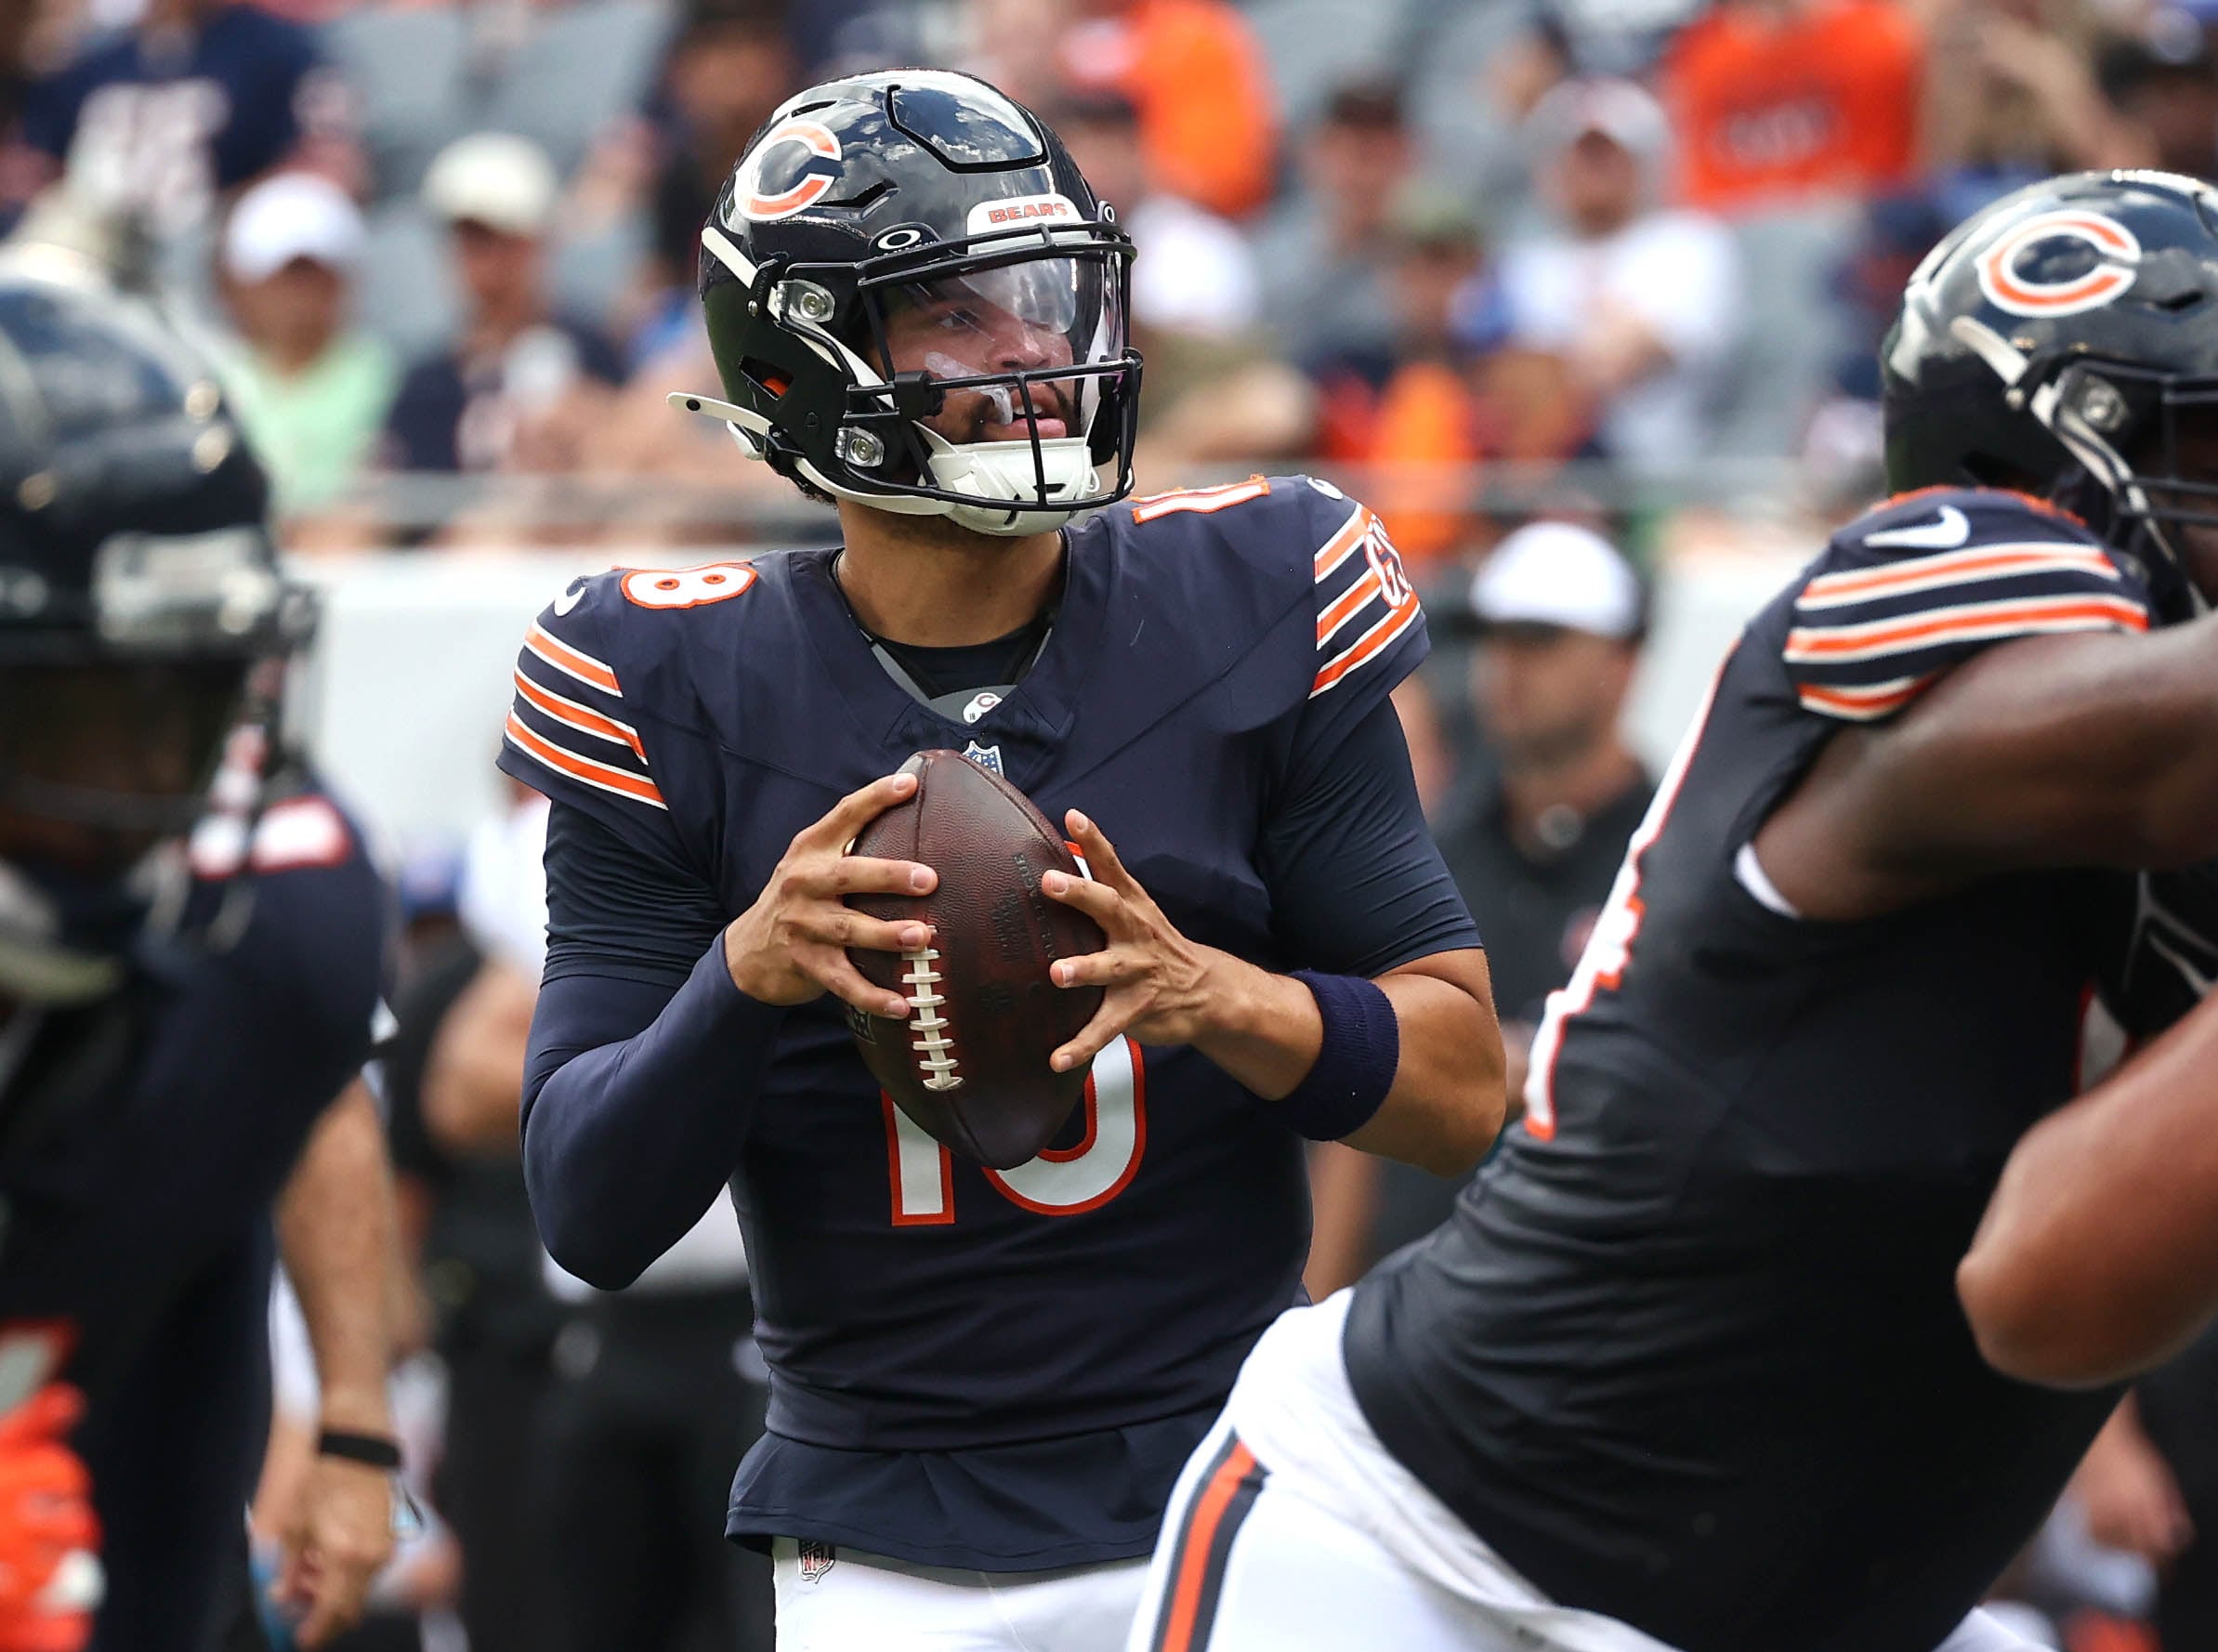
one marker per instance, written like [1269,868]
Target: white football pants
[1293,1530]
[865,1602]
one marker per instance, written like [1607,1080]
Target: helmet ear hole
[770,380]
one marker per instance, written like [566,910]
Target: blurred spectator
[1322,252]
[506,396]
[2160,1500]
[1639,303]
[2012,97]
[1198,76]
[1780,100]
[310,389]
[1558,617]
[201,97]
[2163,85]
[1417,404]
[730,66]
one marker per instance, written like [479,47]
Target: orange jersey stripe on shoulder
[581,717]
[2091,611]
[584,768]
[1365,646]
[560,655]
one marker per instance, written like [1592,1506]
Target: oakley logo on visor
[1019,211]
[817,144]
[2059,264]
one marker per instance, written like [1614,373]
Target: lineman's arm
[474,1074]
[2089,749]
[2098,1256]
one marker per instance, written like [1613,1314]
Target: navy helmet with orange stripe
[138,589]
[915,302]
[2063,341]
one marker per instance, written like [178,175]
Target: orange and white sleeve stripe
[1364,600]
[567,716]
[1866,640]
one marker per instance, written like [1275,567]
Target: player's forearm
[2098,1256]
[474,1078]
[1444,1106]
[337,1229]
[636,1106]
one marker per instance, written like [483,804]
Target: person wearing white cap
[1558,617]
[514,360]
[311,390]
[1639,303]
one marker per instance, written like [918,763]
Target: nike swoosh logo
[570,598]
[1944,533]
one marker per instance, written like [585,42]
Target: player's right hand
[792,944]
[48,1535]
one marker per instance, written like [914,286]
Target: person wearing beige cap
[312,390]
[514,362]
[1558,617]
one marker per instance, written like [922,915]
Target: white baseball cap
[294,215]
[1560,575]
[1622,110]
[494,178]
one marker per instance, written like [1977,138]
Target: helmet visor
[992,344]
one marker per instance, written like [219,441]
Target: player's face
[1544,695]
[100,763]
[1019,318]
[2195,456]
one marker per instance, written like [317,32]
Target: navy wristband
[1355,1063]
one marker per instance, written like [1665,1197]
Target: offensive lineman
[174,1014]
[984,1383]
[1687,1369]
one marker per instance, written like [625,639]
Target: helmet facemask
[989,381]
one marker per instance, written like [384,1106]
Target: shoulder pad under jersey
[595,680]
[1924,581]
[1310,545]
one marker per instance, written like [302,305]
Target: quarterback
[1688,1367]
[984,1383]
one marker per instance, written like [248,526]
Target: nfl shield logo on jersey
[984,757]
[816,1559]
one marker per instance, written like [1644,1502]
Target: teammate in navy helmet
[1688,1367]
[188,969]
[983,1383]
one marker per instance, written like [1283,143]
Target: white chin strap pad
[1002,476]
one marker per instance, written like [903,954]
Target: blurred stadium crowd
[1617,264]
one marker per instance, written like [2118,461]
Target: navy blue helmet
[916,302]
[2054,342]
[138,590]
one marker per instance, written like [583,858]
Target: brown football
[970,1063]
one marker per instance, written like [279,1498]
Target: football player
[1687,1368]
[983,1383]
[179,1004]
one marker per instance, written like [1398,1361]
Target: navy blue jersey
[1690,1352]
[1002,1370]
[164,122]
[148,1134]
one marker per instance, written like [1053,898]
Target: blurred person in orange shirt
[1780,100]
[1415,407]
[1195,72]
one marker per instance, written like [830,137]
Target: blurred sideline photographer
[1558,617]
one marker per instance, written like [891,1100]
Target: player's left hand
[1159,983]
[338,1538]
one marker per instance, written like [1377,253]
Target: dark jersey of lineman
[145,1139]
[1690,1353]
[1006,1369]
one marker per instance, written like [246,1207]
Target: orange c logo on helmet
[2008,285]
[748,197]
